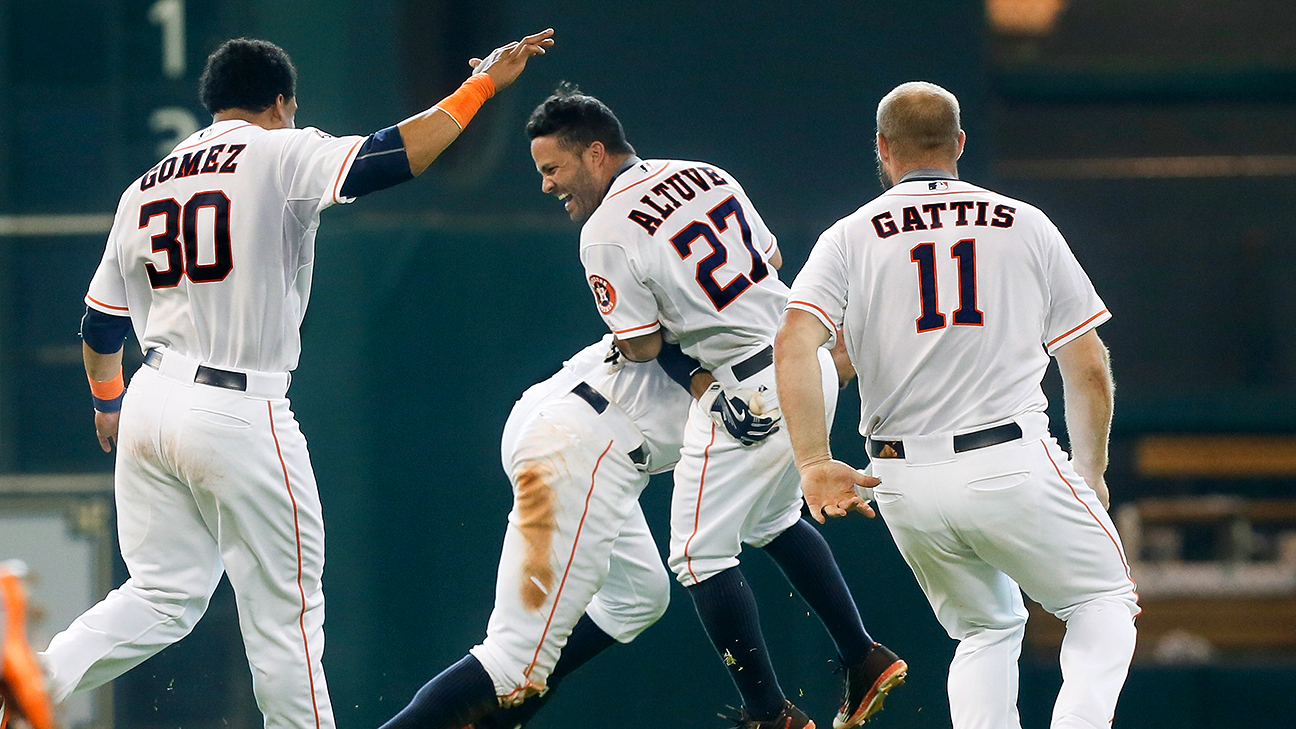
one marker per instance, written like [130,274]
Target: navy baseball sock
[727,608]
[587,640]
[808,563]
[457,697]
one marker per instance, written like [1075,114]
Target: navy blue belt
[962,443]
[205,375]
[753,364]
[638,456]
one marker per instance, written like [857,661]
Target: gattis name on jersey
[928,216]
[604,294]
[219,160]
[663,203]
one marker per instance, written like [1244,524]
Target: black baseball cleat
[867,684]
[790,718]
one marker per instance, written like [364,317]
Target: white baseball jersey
[212,250]
[655,404]
[677,245]
[957,296]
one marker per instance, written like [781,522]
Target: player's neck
[267,119]
[924,169]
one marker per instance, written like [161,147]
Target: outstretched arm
[1087,390]
[828,485]
[427,134]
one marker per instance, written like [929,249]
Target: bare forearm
[800,386]
[426,136]
[101,367]
[1088,391]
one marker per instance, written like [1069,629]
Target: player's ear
[883,150]
[595,154]
[962,138]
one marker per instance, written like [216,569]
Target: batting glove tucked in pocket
[741,413]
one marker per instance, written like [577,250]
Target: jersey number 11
[924,254]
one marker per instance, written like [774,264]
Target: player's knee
[182,610]
[657,596]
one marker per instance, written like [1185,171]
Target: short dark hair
[577,120]
[245,73]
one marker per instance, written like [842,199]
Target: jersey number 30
[183,260]
[719,216]
[924,254]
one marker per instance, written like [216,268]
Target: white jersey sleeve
[821,286]
[107,291]
[1073,306]
[314,165]
[625,303]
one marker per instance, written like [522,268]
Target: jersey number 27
[182,223]
[719,216]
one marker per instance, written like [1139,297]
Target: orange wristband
[108,389]
[463,104]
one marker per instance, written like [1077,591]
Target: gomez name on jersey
[219,159]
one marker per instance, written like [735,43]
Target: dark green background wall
[437,303]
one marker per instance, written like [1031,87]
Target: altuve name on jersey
[663,203]
[933,216]
[219,160]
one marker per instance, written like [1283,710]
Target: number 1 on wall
[170,14]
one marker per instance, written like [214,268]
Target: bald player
[951,299]
[210,259]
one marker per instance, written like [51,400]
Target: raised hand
[505,64]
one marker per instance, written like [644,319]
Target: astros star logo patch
[604,294]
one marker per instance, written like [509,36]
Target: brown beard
[883,177]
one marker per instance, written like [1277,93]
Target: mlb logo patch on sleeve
[604,294]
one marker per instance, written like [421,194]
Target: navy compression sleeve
[380,164]
[678,365]
[104,333]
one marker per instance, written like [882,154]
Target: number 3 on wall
[924,254]
[183,223]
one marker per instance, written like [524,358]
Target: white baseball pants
[973,527]
[209,479]
[576,542]
[727,494]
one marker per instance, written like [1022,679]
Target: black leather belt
[205,375]
[966,442]
[638,456]
[753,364]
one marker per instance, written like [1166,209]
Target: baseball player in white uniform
[951,298]
[210,256]
[579,570]
[675,252]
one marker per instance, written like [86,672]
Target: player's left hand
[740,414]
[106,429]
[1099,485]
[505,64]
[829,490]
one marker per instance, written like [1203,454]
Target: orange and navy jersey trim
[1082,325]
[218,136]
[639,328]
[640,182]
[346,165]
[97,302]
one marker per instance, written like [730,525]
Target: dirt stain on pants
[536,519]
